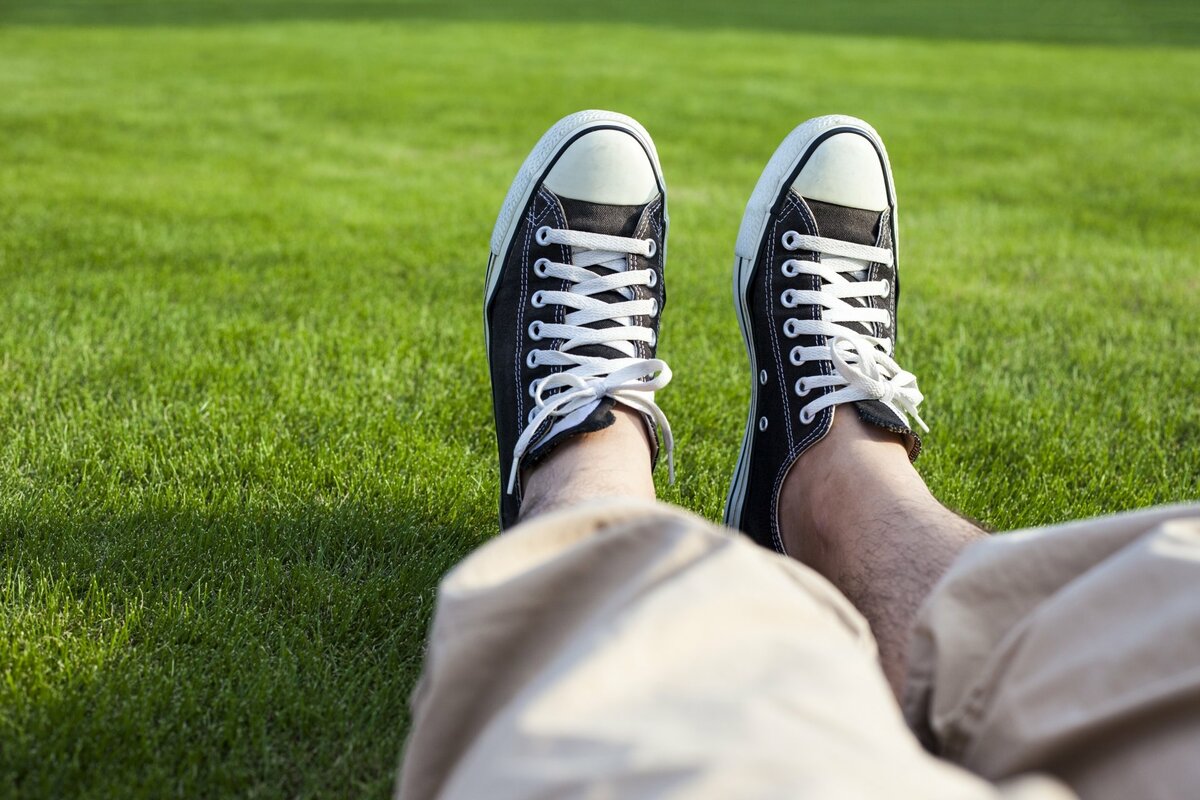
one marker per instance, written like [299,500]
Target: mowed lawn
[244,406]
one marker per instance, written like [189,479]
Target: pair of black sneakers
[575,292]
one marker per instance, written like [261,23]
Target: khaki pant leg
[1072,650]
[632,650]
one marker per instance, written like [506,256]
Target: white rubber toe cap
[604,166]
[844,169]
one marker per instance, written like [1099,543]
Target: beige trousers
[632,650]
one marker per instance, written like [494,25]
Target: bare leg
[613,462]
[854,509]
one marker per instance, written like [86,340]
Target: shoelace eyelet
[791,328]
[805,416]
[887,288]
[762,423]
[630,380]
[794,357]
[788,298]
[789,240]
[762,377]
[802,388]
[790,268]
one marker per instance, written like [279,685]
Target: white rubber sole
[780,173]
[534,170]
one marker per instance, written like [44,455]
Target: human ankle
[820,487]
[611,462]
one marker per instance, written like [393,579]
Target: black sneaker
[574,292]
[815,286]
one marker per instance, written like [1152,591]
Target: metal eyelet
[794,357]
[887,288]
[788,298]
[791,328]
[762,377]
[805,416]
[653,279]
[762,423]
[653,249]
[790,268]
[789,240]
[531,359]
[535,330]
[540,267]
[654,306]
[801,388]
[538,300]
[543,235]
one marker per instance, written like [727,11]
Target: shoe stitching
[555,210]
[534,220]
[560,221]
[519,342]
[879,329]
[876,269]
[658,209]
[768,300]
[639,348]
[649,217]
[820,425]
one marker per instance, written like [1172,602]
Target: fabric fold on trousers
[633,650]
[1073,650]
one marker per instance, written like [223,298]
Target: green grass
[245,406]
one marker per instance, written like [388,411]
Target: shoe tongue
[856,225]
[611,221]
[846,224]
[601,218]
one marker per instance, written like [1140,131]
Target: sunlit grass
[244,398]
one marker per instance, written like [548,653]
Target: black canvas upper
[775,447]
[511,311]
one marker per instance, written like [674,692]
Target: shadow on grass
[256,653]
[1152,22]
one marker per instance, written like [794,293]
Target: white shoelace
[629,380]
[863,367]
